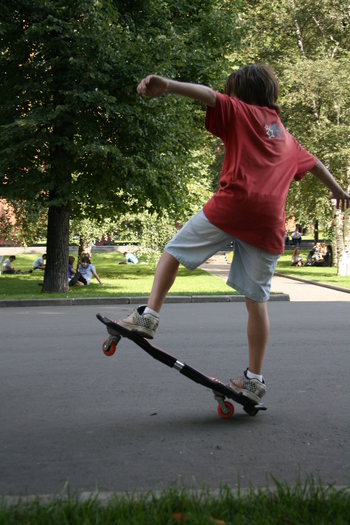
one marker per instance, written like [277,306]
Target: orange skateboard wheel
[110,350]
[229,414]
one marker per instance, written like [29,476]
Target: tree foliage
[74,136]
[22,224]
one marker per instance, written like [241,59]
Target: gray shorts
[251,269]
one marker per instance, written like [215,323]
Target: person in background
[7,266]
[327,260]
[310,258]
[286,238]
[73,276]
[87,270]
[323,249]
[130,258]
[297,259]
[296,237]
[39,263]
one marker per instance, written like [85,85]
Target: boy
[86,271]
[261,159]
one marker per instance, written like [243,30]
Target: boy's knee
[255,305]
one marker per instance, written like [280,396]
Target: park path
[219,266]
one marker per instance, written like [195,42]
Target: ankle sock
[150,311]
[250,375]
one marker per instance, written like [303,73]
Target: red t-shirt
[261,159]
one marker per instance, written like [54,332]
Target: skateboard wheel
[230,412]
[109,349]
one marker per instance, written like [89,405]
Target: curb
[133,300]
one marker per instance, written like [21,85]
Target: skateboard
[220,390]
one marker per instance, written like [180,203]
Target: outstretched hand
[343,200]
[152,86]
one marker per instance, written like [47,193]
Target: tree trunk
[338,238]
[85,247]
[347,239]
[344,269]
[342,242]
[343,235]
[56,270]
[344,262]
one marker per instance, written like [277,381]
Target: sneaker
[143,324]
[252,388]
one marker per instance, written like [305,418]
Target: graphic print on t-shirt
[274,131]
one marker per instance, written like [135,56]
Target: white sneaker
[252,388]
[143,324]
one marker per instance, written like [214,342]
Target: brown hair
[255,84]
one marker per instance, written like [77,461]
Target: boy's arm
[154,86]
[97,277]
[321,173]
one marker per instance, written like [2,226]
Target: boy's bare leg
[258,333]
[164,278]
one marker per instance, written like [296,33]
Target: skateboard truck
[221,402]
[110,344]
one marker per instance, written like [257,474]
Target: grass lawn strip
[120,280]
[309,503]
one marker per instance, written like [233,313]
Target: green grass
[119,280]
[311,273]
[309,504]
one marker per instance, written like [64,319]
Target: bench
[304,245]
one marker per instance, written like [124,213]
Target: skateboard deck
[220,390]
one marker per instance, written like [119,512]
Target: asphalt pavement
[70,415]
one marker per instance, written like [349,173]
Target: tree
[22,224]
[87,231]
[75,138]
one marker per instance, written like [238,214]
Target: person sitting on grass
[73,275]
[297,259]
[39,263]
[87,270]
[310,258]
[327,260]
[323,249]
[7,268]
[261,160]
[129,258]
